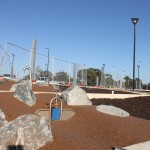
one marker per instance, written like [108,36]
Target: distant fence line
[22,59]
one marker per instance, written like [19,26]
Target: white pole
[69,72]
[52,68]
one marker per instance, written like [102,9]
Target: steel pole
[12,67]
[48,67]
[134,21]
[134,56]
[138,76]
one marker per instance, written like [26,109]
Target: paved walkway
[139,146]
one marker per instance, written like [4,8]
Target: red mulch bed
[138,107]
[88,129]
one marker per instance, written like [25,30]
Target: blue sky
[91,32]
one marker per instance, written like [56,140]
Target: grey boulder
[76,96]
[29,131]
[24,93]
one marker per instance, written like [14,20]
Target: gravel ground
[88,129]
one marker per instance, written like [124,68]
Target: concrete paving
[113,96]
[66,113]
[139,146]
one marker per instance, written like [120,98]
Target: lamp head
[135,20]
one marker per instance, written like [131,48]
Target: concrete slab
[66,113]
[138,146]
[113,96]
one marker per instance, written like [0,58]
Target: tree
[91,77]
[92,73]
[128,82]
[61,76]
[109,80]
[146,86]
[138,83]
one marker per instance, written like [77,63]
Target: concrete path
[138,146]
[113,96]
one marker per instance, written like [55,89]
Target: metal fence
[14,58]
[116,80]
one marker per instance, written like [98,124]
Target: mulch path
[88,129]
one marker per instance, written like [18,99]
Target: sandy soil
[88,129]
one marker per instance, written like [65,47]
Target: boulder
[28,131]
[13,87]
[22,82]
[3,121]
[76,96]
[23,93]
[111,110]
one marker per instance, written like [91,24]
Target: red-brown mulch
[99,90]
[88,129]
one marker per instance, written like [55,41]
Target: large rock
[3,121]
[23,93]
[76,96]
[29,131]
[13,87]
[21,82]
[111,110]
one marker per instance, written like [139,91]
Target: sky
[91,32]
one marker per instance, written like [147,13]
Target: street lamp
[138,71]
[47,65]
[103,68]
[12,67]
[45,70]
[138,75]
[134,21]
[103,76]
[104,73]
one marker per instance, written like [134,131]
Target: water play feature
[55,111]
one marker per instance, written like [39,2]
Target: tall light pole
[45,70]
[47,65]
[103,68]
[134,21]
[12,67]
[138,66]
[103,76]
[82,75]
[104,73]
